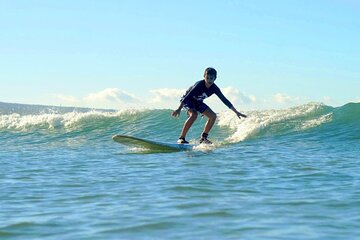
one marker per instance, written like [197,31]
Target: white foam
[316,122]
[206,147]
[55,120]
[258,120]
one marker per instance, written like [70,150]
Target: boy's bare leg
[212,118]
[189,122]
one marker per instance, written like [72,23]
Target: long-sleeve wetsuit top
[199,92]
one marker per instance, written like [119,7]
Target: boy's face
[209,79]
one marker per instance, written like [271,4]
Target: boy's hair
[210,71]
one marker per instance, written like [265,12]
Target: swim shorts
[199,106]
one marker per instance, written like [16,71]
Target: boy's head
[210,75]
[210,72]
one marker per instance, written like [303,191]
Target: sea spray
[275,122]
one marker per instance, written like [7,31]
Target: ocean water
[279,174]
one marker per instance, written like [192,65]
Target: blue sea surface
[278,174]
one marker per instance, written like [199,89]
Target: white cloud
[231,93]
[327,99]
[282,98]
[286,99]
[107,98]
[67,98]
[111,95]
[234,95]
[166,94]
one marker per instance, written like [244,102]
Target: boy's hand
[176,113]
[239,114]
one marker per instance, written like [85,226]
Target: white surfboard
[152,146]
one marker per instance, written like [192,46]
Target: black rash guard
[199,92]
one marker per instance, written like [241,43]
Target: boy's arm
[228,103]
[223,98]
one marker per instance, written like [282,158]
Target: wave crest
[16,121]
[276,122]
[315,117]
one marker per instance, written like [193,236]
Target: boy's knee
[213,116]
[193,114]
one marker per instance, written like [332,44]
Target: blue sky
[119,54]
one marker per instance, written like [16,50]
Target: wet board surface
[151,145]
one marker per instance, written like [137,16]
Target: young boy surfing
[193,102]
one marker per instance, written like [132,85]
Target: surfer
[192,101]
